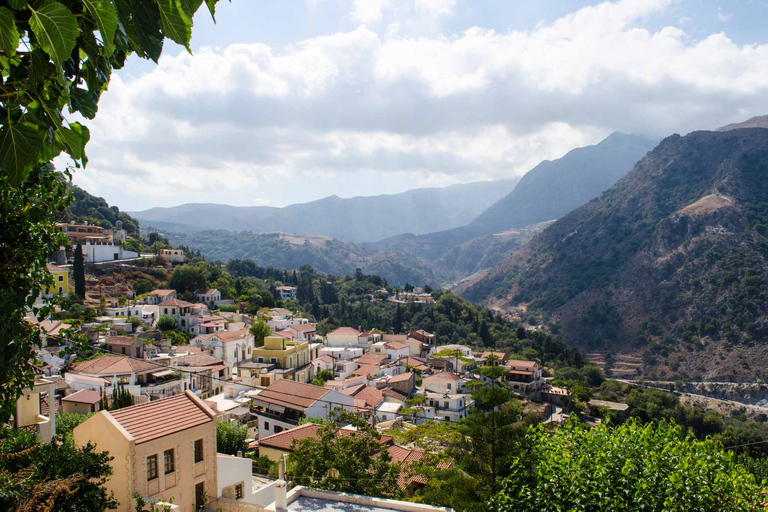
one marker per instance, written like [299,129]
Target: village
[279,384]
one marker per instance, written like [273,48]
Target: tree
[323,376]
[353,461]
[230,437]
[166,323]
[67,421]
[53,476]
[187,279]
[625,468]
[260,330]
[78,269]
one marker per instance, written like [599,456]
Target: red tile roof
[121,340]
[366,359]
[395,345]
[284,439]
[227,336]
[114,365]
[325,359]
[366,370]
[55,268]
[208,291]
[294,395]
[302,327]
[400,378]
[372,396]
[520,363]
[163,417]
[394,394]
[500,355]
[407,457]
[84,396]
[446,376]
[176,302]
[345,330]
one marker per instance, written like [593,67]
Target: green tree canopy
[166,323]
[630,467]
[230,437]
[260,330]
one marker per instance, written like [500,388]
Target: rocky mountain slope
[357,219]
[671,262]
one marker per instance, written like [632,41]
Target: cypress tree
[79,271]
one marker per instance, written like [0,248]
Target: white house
[180,310]
[449,406]
[285,402]
[443,382]
[173,255]
[342,337]
[232,347]
[286,292]
[388,411]
[209,296]
[96,252]
[394,350]
[303,332]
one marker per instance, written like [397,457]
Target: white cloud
[476,105]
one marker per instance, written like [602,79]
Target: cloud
[721,16]
[236,124]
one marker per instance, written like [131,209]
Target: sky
[288,101]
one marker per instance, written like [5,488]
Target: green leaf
[20,143]
[105,16]
[212,7]
[74,139]
[175,22]
[9,34]
[18,4]
[55,28]
[191,7]
[83,101]
[146,22]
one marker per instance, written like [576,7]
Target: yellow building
[161,450]
[287,355]
[61,282]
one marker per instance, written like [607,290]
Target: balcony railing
[32,429]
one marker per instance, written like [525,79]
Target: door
[199,495]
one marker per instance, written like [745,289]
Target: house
[30,414]
[404,383]
[84,232]
[280,406]
[179,310]
[155,297]
[60,281]
[208,324]
[449,406]
[303,332]
[619,410]
[493,358]
[235,479]
[163,450]
[443,382]
[371,358]
[419,365]
[287,355]
[394,350]
[366,339]
[126,345]
[137,376]
[322,363]
[173,255]
[96,252]
[388,411]
[209,296]
[84,401]
[460,359]
[232,347]
[342,337]
[425,337]
[308,499]
[286,292]
[524,376]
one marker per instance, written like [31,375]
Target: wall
[228,505]
[95,253]
[76,407]
[272,453]
[233,470]
[341,340]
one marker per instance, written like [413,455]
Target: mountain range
[357,219]
[671,262]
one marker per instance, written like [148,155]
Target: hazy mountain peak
[755,122]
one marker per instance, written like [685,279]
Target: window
[165,311]
[266,426]
[151,467]
[278,429]
[61,278]
[199,493]
[445,405]
[239,491]
[198,450]
[273,360]
[449,386]
[170,461]
[260,360]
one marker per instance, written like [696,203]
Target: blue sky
[289,101]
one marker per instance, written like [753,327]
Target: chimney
[281,468]
[281,494]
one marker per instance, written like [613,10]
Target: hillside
[291,251]
[356,219]
[96,210]
[554,188]
[671,262]
[755,122]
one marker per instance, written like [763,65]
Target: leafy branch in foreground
[57,55]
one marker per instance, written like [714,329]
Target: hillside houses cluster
[167,439]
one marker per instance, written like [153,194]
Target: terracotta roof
[201,359]
[351,391]
[161,291]
[394,337]
[121,340]
[294,395]
[176,302]
[344,330]
[284,439]
[227,336]
[500,355]
[520,372]
[302,327]
[325,359]
[446,376]
[423,333]
[289,335]
[406,457]
[394,394]
[416,363]
[286,288]
[84,396]
[113,365]
[163,417]
[209,291]
[55,268]
[53,327]
[518,362]
[365,370]
[395,345]
[400,378]
[45,409]
[369,358]
[372,396]
[280,311]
